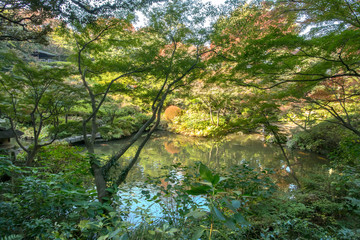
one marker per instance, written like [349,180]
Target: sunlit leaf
[205,173]
[198,234]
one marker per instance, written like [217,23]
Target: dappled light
[179,119]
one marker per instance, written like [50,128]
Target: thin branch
[108,90]
[345,64]
[323,58]
[167,73]
[352,11]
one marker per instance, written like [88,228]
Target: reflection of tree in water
[167,149]
[171,148]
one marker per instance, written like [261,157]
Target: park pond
[165,149]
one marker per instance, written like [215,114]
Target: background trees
[34,95]
[32,20]
[107,53]
[111,55]
[26,20]
[260,63]
[267,46]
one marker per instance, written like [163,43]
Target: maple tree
[33,20]
[266,46]
[33,94]
[109,53]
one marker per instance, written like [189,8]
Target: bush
[108,132]
[127,111]
[194,124]
[42,205]
[123,126]
[322,138]
[61,157]
[347,152]
[68,129]
[172,112]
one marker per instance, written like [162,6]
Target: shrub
[322,138]
[171,112]
[193,124]
[123,126]
[68,129]
[127,110]
[347,152]
[108,132]
[42,205]
[61,157]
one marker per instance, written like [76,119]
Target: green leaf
[218,214]
[230,206]
[230,224]
[240,219]
[237,192]
[198,234]
[223,178]
[173,230]
[206,183]
[199,190]
[215,179]
[236,204]
[205,173]
[196,214]
[83,224]
[124,237]
[103,237]
[114,233]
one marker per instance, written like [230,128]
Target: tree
[127,49]
[215,98]
[34,95]
[269,49]
[25,20]
[180,24]
[31,20]
[113,47]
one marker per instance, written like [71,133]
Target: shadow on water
[167,148]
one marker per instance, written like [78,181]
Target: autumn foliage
[171,112]
[171,148]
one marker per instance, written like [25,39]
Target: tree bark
[31,156]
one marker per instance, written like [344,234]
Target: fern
[12,237]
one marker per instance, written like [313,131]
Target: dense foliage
[288,70]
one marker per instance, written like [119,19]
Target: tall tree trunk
[31,156]
[100,181]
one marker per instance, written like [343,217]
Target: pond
[166,148]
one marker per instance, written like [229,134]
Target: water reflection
[167,148]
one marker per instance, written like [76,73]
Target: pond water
[166,148]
